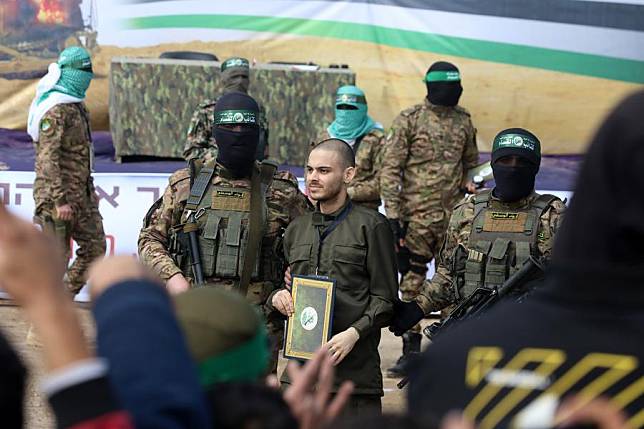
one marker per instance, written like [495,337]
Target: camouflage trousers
[86,229]
[424,242]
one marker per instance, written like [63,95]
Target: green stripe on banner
[529,56]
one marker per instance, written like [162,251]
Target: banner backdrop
[553,66]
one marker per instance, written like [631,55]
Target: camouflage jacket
[64,157]
[284,203]
[365,187]
[428,151]
[440,291]
[200,142]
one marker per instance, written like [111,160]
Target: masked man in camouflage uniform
[233,210]
[201,142]
[492,234]
[366,137]
[64,196]
[429,149]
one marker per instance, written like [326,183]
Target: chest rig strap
[260,181]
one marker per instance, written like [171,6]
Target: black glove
[404,265]
[397,230]
[406,316]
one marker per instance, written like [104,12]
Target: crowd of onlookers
[199,360]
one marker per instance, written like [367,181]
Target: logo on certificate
[309,318]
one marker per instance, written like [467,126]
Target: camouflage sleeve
[369,188]
[550,221]
[153,240]
[200,142]
[52,129]
[286,201]
[439,292]
[470,151]
[395,158]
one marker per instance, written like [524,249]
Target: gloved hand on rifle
[406,316]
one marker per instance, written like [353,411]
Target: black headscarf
[601,242]
[237,148]
[444,93]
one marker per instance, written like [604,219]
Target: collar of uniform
[320,218]
[436,108]
[514,205]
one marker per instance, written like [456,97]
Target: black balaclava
[237,148]
[235,75]
[443,82]
[515,182]
[598,255]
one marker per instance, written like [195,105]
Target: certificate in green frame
[310,326]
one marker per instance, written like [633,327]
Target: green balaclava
[75,72]
[514,182]
[353,122]
[225,335]
[235,74]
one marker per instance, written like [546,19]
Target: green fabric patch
[518,141]
[236,117]
[45,124]
[443,76]
[247,362]
[235,62]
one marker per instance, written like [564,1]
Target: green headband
[247,362]
[236,117]
[350,98]
[517,141]
[443,76]
[235,62]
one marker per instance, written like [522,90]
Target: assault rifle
[190,229]
[481,300]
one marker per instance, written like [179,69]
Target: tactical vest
[501,241]
[223,215]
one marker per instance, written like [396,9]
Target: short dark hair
[340,147]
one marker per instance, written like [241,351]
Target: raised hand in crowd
[31,272]
[309,395]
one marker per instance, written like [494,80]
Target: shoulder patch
[45,124]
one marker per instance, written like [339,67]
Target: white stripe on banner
[568,37]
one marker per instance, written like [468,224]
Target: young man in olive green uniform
[429,150]
[229,207]
[367,139]
[354,246]
[491,234]
[66,202]
[200,142]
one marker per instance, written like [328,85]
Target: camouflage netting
[152,101]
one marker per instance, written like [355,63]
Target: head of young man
[236,131]
[516,156]
[330,168]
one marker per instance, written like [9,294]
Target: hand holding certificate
[309,325]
